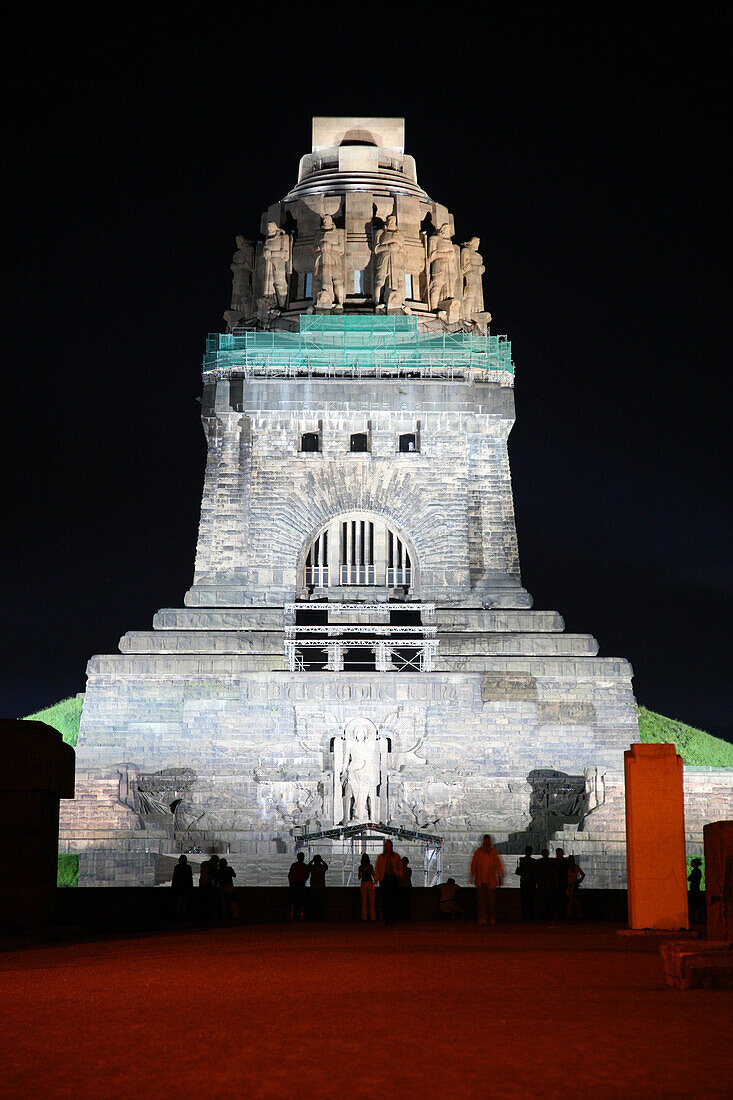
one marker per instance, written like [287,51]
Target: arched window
[359,550]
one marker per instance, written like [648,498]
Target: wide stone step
[540,645]
[514,620]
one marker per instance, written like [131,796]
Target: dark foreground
[346,1010]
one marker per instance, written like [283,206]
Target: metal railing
[399,578]
[415,655]
[358,574]
[333,630]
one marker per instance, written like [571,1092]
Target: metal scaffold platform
[352,346]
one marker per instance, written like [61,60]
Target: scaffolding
[352,346]
[349,842]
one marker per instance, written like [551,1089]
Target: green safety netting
[364,342]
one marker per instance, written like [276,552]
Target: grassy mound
[697,748]
[68,870]
[64,717]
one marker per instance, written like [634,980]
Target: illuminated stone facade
[356,644]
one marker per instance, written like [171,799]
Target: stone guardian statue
[242,267]
[389,264]
[443,274]
[472,268]
[328,281]
[276,265]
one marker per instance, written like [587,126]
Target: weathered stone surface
[210,729]
[692,965]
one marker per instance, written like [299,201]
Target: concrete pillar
[36,770]
[719,879]
[655,837]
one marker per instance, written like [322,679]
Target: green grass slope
[697,748]
[64,717]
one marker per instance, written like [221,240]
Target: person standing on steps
[487,871]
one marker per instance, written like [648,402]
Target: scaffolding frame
[369,837]
[364,345]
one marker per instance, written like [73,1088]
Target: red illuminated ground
[342,1010]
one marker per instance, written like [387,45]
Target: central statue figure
[358,773]
[327,269]
[389,263]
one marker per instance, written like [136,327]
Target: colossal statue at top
[275,264]
[328,281]
[358,232]
[389,264]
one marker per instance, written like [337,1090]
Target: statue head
[272,229]
[391,222]
[327,222]
[241,242]
[473,244]
[444,231]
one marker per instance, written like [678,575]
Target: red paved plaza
[345,1010]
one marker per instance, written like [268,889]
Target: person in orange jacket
[487,871]
[387,873]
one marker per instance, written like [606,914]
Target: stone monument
[357,643]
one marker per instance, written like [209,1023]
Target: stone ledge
[703,965]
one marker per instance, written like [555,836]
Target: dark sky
[582,142]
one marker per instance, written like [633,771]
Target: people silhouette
[366,877]
[317,868]
[695,898]
[546,878]
[182,884]
[448,904]
[575,875]
[527,884]
[226,876]
[405,894]
[297,878]
[387,873]
[561,883]
[487,871]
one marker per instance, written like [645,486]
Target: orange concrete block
[655,837]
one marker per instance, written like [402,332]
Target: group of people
[216,877]
[548,888]
[298,875]
[393,874]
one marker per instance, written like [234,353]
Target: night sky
[581,142]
